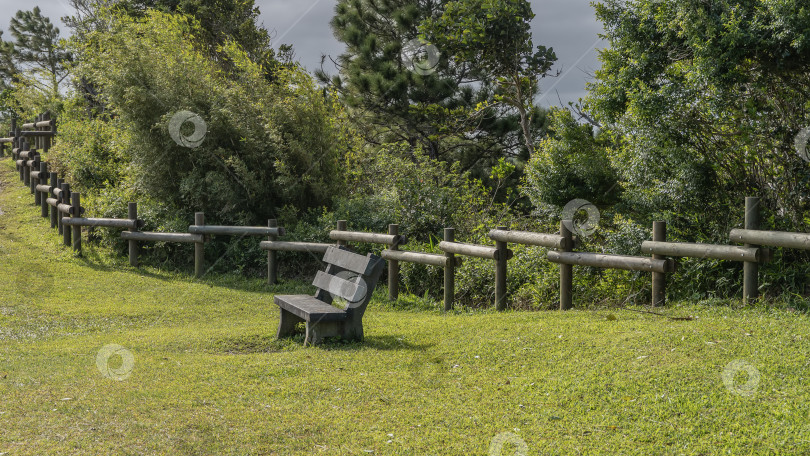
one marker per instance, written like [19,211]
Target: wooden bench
[344,291]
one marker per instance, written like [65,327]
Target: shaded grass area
[208,376]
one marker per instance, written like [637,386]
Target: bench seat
[309,308]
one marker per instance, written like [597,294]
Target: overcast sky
[569,26]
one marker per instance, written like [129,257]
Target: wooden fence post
[449,271]
[32,183]
[566,270]
[26,171]
[66,200]
[500,272]
[75,199]
[199,247]
[132,214]
[659,279]
[20,168]
[60,185]
[393,267]
[341,226]
[751,268]
[54,212]
[272,267]
[42,197]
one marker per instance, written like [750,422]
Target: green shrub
[265,144]
[571,163]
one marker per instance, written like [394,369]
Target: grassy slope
[209,378]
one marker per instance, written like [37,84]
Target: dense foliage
[400,84]
[430,122]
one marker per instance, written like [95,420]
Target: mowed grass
[208,377]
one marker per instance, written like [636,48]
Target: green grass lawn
[206,375]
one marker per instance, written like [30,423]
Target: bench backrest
[348,280]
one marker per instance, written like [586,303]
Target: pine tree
[35,51]
[394,100]
[8,70]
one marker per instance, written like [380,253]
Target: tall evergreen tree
[8,69]
[496,36]
[35,51]
[442,108]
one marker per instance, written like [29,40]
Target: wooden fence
[63,207]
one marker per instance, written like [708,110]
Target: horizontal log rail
[103,222]
[236,230]
[430,259]
[624,262]
[373,238]
[552,241]
[472,250]
[693,250]
[288,246]
[41,124]
[45,188]
[68,209]
[784,239]
[37,133]
[161,237]
[6,140]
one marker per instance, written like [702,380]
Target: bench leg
[286,324]
[353,328]
[318,331]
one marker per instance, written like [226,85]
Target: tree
[710,98]
[495,35]
[8,69]
[184,133]
[444,108]
[571,163]
[221,22]
[36,52]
